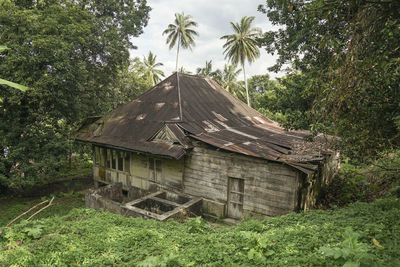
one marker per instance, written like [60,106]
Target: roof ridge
[179,97]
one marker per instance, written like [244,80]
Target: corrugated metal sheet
[209,114]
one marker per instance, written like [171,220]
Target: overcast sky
[213,18]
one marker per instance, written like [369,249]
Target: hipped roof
[197,107]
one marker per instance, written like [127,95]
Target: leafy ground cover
[362,234]
[10,208]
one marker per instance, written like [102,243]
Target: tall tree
[241,46]
[181,33]
[348,51]
[69,53]
[150,70]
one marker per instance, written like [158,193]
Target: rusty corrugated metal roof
[210,114]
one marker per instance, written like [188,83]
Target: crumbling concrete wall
[108,198]
[142,204]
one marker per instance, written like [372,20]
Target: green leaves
[14,85]
[8,83]
[242,46]
[351,252]
[148,68]
[348,51]
[181,33]
[75,55]
[3,48]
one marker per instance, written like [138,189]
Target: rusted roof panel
[209,114]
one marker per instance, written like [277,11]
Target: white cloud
[213,18]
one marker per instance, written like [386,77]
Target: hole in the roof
[141,117]
[158,106]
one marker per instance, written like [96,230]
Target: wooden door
[235,197]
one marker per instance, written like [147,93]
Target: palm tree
[206,71]
[228,80]
[180,33]
[150,70]
[242,45]
[183,70]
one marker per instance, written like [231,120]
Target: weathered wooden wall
[138,173]
[266,188]
[269,188]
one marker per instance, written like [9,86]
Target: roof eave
[178,157]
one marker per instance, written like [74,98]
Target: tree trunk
[177,54]
[245,84]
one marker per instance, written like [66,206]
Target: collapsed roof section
[162,120]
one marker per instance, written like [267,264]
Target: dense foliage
[71,54]
[364,183]
[362,233]
[349,53]
[286,100]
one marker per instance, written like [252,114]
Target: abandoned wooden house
[189,135]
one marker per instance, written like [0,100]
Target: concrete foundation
[160,205]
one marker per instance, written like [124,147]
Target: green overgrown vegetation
[348,54]
[367,182]
[359,235]
[11,207]
[71,54]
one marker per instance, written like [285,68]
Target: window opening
[108,158]
[120,161]
[113,160]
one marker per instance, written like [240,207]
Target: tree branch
[19,216]
[48,205]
